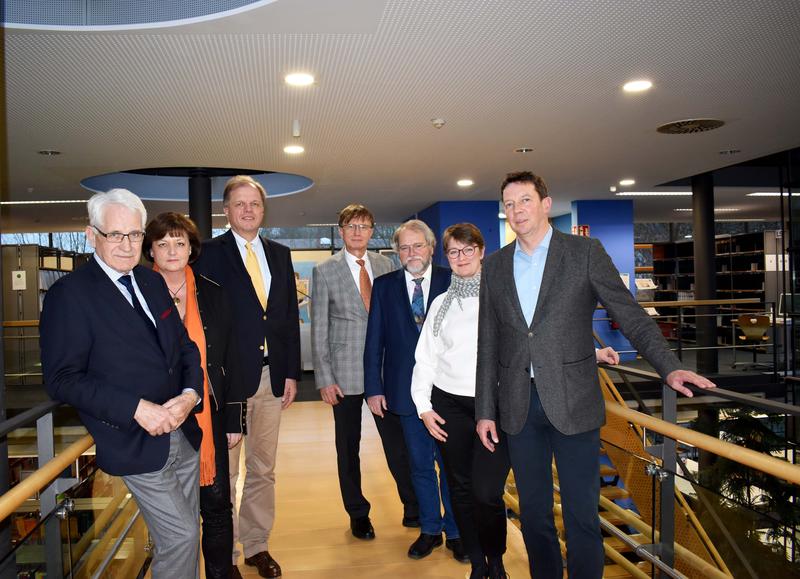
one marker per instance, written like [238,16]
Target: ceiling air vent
[690,126]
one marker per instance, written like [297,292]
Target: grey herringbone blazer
[339,322]
[578,273]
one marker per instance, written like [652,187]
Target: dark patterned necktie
[418,304]
[128,283]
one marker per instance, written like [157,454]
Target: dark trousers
[347,420]
[475,476]
[578,464]
[216,509]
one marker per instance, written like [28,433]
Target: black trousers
[476,477]
[347,420]
[216,509]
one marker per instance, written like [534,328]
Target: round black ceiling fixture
[688,126]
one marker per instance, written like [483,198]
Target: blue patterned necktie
[137,306]
[418,304]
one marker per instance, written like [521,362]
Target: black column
[200,201]
[705,281]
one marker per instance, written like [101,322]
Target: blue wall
[482,214]
[611,222]
[562,223]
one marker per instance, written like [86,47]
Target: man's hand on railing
[676,379]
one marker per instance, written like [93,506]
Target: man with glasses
[342,290]
[114,347]
[399,303]
[259,278]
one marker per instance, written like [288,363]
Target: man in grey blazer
[342,286]
[536,374]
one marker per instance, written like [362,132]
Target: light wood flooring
[311,538]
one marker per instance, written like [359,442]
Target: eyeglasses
[117,237]
[468,251]
[357,227]
[415,246]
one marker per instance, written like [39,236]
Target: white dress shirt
[449,359]
[115,275]
[426,286]
[258,248]
[355,269]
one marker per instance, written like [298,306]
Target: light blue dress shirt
[528,272]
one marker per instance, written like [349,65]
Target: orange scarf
[194,327]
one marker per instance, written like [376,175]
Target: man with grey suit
[342,287]
[536,374]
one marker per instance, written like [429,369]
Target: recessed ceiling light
[43,202]
[637,85]
[627,182]
[299,79]
[524,150]
[654,194]
[770,194]
[687,236]
[293,149]
[465,182]
[613,188]
[716,209]
[49,152]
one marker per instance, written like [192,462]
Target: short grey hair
[414,225]
[99,201]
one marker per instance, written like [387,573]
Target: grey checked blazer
[578,273]
[339,322]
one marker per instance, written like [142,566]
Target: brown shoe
[266,565]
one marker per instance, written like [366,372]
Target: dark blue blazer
[280,324]
[392,337]
[98,356]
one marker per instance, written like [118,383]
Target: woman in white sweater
[443,389]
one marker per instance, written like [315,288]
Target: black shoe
[479,572]
[424,544]
[457,547]
[411,522]
[362,528]
[497,570]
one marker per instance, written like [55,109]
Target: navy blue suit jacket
[280,324]
[392,337]
[98,356]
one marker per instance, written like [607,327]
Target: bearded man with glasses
[113,346]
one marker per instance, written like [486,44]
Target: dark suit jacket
[392,337]
[280,324]
[98,356]
[222,355]
[578,273]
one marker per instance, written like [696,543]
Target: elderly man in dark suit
[342,290]
[259,278]
[536,374]
[399,303]
[114,347]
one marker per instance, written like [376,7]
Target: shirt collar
[242,242]
[544,244]
[351,259]
[110,272]
[425,276]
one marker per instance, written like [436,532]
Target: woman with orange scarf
[172,242]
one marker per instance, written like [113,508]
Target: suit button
[205,327]
[170,371]
[263,317]
[261,348]
[530,334]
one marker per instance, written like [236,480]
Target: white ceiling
[503,73]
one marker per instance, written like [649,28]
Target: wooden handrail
[21,324]
[759,461]
[43,476]
[693,303]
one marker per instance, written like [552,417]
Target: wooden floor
[312,539]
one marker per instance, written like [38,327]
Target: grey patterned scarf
[460,287]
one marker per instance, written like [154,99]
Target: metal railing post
[47,499]
[666,545]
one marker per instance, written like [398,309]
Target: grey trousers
[169,502]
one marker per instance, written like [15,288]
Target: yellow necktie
[252,267]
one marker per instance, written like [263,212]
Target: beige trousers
[256,513]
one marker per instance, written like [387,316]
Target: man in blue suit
[397,312]
[113,346]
